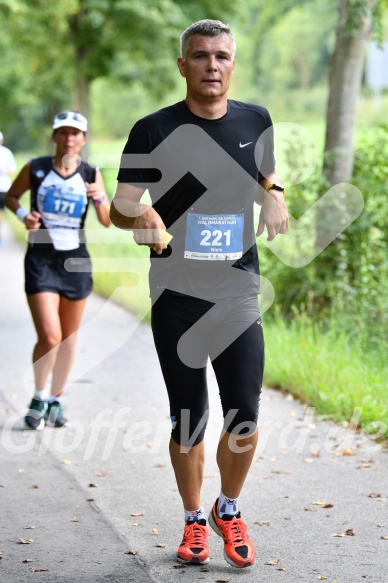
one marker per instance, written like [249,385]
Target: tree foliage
[64,46]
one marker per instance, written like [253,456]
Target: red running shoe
[194,549]
[239,550]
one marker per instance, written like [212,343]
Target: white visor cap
[71,119]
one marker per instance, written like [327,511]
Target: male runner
[212,159]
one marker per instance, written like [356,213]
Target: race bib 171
[63,206]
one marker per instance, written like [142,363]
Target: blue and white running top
[61,201]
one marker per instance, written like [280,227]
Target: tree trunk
[81,103]
[354,28]
[345,75]
[81,86]
[81,95]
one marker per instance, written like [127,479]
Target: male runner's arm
[127,212]
[274,213]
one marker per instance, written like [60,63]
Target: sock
[227,505]
[194,515]
[41,395]
[54,399]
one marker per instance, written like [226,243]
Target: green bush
[346,283]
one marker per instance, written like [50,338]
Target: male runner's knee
[189,428]
[241,436]
[241,422]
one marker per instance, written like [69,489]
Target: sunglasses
[70,115]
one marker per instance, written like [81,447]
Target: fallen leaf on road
[338,534]
[93,485]
[263,523]
[347,452]
[327,506]
[74,519]
[273,562]
[281,472]
[103,474]
[33,486]
[319,502]
[66,462]
[204,569]
[223,580]
[384,537]
[131,553]
[38,569]
[349,532]
[322,577]
[160,545]
[137,514]
[308,460]
[89,499]
[136,524]
[27,561]
[28,527]
[155,531]
[25,541]
[376,496]
[280,569]
[310,509]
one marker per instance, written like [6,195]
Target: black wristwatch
[273,186]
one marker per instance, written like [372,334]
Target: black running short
[187,331]
[67,273]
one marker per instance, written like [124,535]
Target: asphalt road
[103,487]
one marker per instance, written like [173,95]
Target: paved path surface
[100,488]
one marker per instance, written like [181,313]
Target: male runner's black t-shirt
[202,178]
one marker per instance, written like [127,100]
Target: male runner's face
[208,66]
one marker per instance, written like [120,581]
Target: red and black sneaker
[194,549]
[239,550]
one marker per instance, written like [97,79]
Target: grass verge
[328,372]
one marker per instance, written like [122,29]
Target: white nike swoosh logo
[243,145]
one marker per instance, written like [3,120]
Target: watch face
[278,187]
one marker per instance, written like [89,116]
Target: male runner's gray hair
[206,28]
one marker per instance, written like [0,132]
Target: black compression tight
[229,332]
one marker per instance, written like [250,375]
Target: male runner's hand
[273,215]
[147,230]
